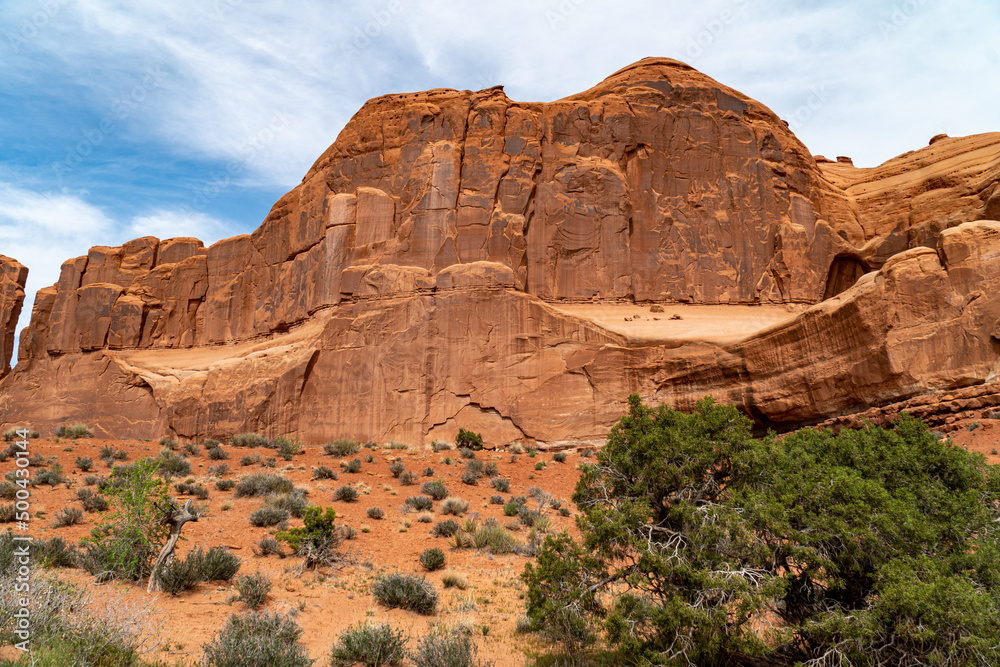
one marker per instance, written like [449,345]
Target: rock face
[12,278]
[411,284]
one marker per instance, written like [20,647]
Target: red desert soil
[328,603]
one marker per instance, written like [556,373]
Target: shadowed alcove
[845,270]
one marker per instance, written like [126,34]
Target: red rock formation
[12,278]
[407,286]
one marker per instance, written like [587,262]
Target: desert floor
[328,602]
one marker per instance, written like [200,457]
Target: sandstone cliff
[424,274]
[12,278]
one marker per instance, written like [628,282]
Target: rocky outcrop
[12,278]
[412,283]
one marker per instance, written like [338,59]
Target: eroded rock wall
[12,279]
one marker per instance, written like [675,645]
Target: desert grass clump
[257,639]
[249,460]
[352,466]
[74,431]
[466,453]
[456,506]
[262,484]
[264,517]
[92,502]
[397,468]
[252,589]
[84,463]
[67,517]
[217,564]
[342,447]
[440,446]
[173,465]
[425,517]
[432,559]
[8,513]
[497,499]
[445,528]
[369,644]
[217,454]
[250,440]
[436,490]
[446,648]
[323,472]
[219,470]
[559,457]
[346,494]
[168,442]
[453,579]
[287,448]
[11,434]
[405,591]
[294,502]
[408,478]
[375,513]
[418,503]
[225,484]
[266,546]
[53,476]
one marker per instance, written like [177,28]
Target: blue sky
[120,119]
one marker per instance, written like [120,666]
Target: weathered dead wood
[176,521]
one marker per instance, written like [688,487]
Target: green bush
[168,442]
[257,639]
[11,434]
[352,466]
[287,448]
[211,444]
[342,447]
[369,644]
[250,440]
[397,468]
[262,484]
[84,463]
[250,460]
[432,559]
[225,484]
[346,494]
[469,440]
[268,516]
[405,591]
[446,648]
[408,478]
[317,541]
[219,564]
[180,575]
[436,490]
[74,431]
[52,476]
[253,589]
[469,477]
[875,546]
[559,457]
[127,542]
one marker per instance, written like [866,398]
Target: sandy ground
[682,322]
[328,602]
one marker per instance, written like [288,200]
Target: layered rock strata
[410,285]
[12,279]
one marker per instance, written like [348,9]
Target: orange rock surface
[12,278]
[460,259]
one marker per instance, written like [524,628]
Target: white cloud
[43,229]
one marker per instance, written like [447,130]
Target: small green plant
[173,465]
[369,644]
[397,468]
[248,460]
[432,559]
[287,448]
[217,454]
[84,463]
[446,648]
[559,457]
[405,591]
[469,440]
[318,540]
[225,484]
